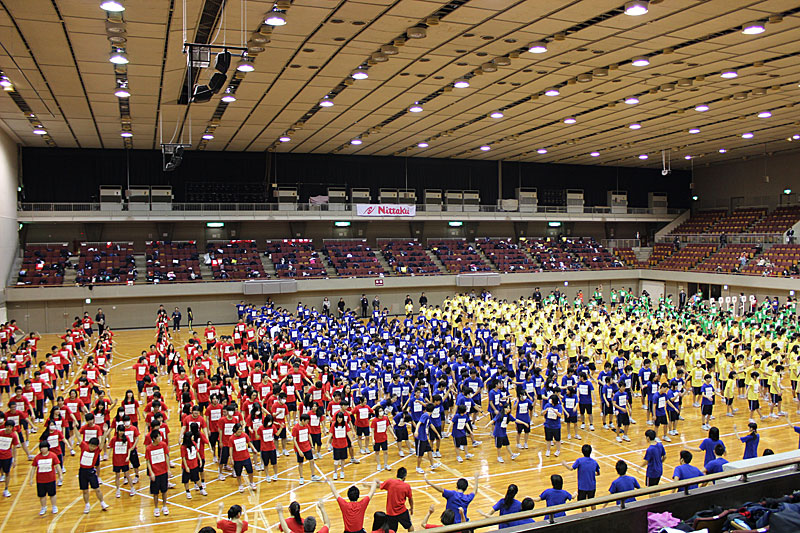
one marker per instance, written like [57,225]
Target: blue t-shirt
[552,416]
[555,497]
[624,484]
[750,445]
[585,389]
[515,507]
[456,499]
[654,454]
[687,472]
[460,423]
[501,422]
[708,446]
[588,470]
[422,427]
[715,466]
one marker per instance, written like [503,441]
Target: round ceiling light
[422,145]
[636,8]
[729,74]
[356,142]
[122,92]
[765,114]
[326,102]
[284,138]
[415,108]
[643,157]
[39,131]
[635,126]
[701,108]
[595,154]
[753,28]
[537,47]
[275,18]
[245,65]
[113,6]
[747,135]
[118,57]
[461,83]
[359,74]
[496,114]
[126,134]
[552,91]
[208,136]
[541,151]
[486,148]
[570,120]
[640,61]
[694,130]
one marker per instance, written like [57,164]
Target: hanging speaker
[217,82]
[223,62]
[201,94]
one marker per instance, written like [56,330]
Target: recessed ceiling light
[631,100]
[114,6]
[722,150]
[764,114]
[747,135]
[122,93]
[729,74]
[701,108]
[326,102]
[422,145]
[126,134]
[486,148]
[635,126]
[5,82]
[570,120]
[415,108]
[40,131]
[275,18]
[643,157]
[356,142]
[461,83]
[636,8]
[595,154]
[687,157]
[552,91]
[538,47]
[694,130]
[541,151]
[753,28]
[795,137]
[496,114]
[245,65]
[208,136]
[359,74]
[228,98]
[118,57]
[641,61]
[284,138]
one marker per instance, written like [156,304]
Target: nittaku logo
[370,210]
[387,210]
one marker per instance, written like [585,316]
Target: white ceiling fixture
[389,50]
[356,141]
[5,82]
[415,108]
[496,114]
[552,91]
[635,126]
[489,66]
[701,107]
[113,6]
[729,74]
[765,114]
[687,157]
[284,138]
[641,61]
[326,102]
[461,83]
[694,130]
[359,74]
[643,156]
[126,134]
[636,8]
[594,154]
[747,135]
[275,18]
[541,151]
[722,150]
[486,148]
[423,144]
[501,61]
[118,56]
[795,137]
[245,65]
[207,136]
[39,131]
[631,100]
[228,97]
[570,120]
[537,47]
[416,32]
[122,91]
[379,57]
[753,28]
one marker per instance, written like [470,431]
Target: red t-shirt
[267,437]
[397,491]
[190,456]
[301,437]
[379,428]
[214,415]
[158,455]
[45,466]
[228,526]
[89,459]
[239,449]
[353,513]
[90,432]
[120,449]
[361,414]
[339,435]
[226,429]
[7,444]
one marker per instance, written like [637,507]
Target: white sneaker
[666,438]
[569,437]
[55,510]
[104,506]
[558,452]
[605,426]
[500,460]
[221,477]
[42,511]
[275,477]
[6,494]
[118,494]
[626,438]
[519,446]
[202,491]
[335,476]
[435,465]
[477,443]
[578,437]
[459,459]
[583,426]
[156,512]
[132,493]
[469,455]
[387,467]
[515,455]
[165,510]
[188,495]
[420,471]
[402,453]
[591,427]
[378,468]
[547,453]
[619,439]
[302,481]
[241,488]
[355,461]
[253,485]
[286,452]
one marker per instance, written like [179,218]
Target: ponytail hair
[509,497]
[294,510]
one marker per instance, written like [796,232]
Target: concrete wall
[8,208]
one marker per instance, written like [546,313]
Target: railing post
[686,490]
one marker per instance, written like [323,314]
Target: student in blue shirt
[460,427]
[552,412]
[421,442]
[571,413]
[653,459]
[623,483]
[708,445]
[499,432]
[585,389]
[715,465]
[457,498]
[509,505]
[660,399]
[686,470]
[524,408]
[555,496]
[750,441]
[607,392]
[707,397]
[588,470]
[622,409]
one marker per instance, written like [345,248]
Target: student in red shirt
[157,457]
[397,491]
[214,414]
[9,442]
[190,464]
[310,523]
[87,474]
[45,464]
[202,387]
[380,427]
[353,509]
[269,456]
[121,446]
[19,419]
[200,441]
[236,521]
[339,436]
[301,439]
[361,414]
[226,427]
[240,451]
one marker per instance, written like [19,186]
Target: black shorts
[269,457]
[316,439]
[460,441]
[552,434]
[362,431]
[421,447]
[728,401]
[776,398]
[46,489]
[753,404]
[191,475]
[662,369]
[608,409]
[292,406]
[87,477]
[224,455]
[499,442]
[585,408]
[380,446]
[401,432]
[304,456]
[5,465]
[740,383]
[652,481]
[696,391]
[160,484]
[706,410]
[623,419]
[586,494]
[281,434]
[673,416]
[134,457]
[573,419]
[522,428]
[238,466]
[403,519]
[120,469]
[339,454]
[661,420]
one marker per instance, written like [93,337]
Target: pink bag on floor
[656,521]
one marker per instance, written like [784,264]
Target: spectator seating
[295,258]
[505,255]
[108,262]
[779,221]
[590,252]
[782,260]
[43,264]
[551,256]
[659,253]
[353,258]
[408,258]
[700,221]
[234,260]
[172,261]
[457,256]
[628,258]
[727,259]
[737,222]
[687,257]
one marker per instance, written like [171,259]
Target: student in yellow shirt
[753,393]
[729,392]
[775,389]
[696,376]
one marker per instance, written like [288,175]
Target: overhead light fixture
[787,190]
[701,108]
[631,100]
[422,145]
[537,47]
[753,28]
[552,91]
[415,108]
[461,83]
[489,66]
[39,131]
[5,82]
[635,126]
[355,142]
[284,138]
[122,92]
[747,135]
[729,74]
[687,157]
[118,57]
[416,32]
[207,136]
[245,65]
[594,154]
[643,156]
[455,223]
[554,224]
[694,130]
[379,57]
[486,148]
[215,224]
[541,151]
[389,50]
[695,197]
[342,223]
[570,120]
[228,98]
[126,134]
[326,102]
[636,8]
[641,61]
[359,74]
[496,114]
[113,6]
[722,150]
[275,18]
[764,114]
[796,137]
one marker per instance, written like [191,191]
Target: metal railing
[731,238]
[622,243]
[197,207]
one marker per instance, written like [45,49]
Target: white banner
[386,210]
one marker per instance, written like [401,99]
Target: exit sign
[379,283]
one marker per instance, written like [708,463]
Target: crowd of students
[283,383]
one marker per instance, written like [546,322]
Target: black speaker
[217,82]
[223,62]
[201,94]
